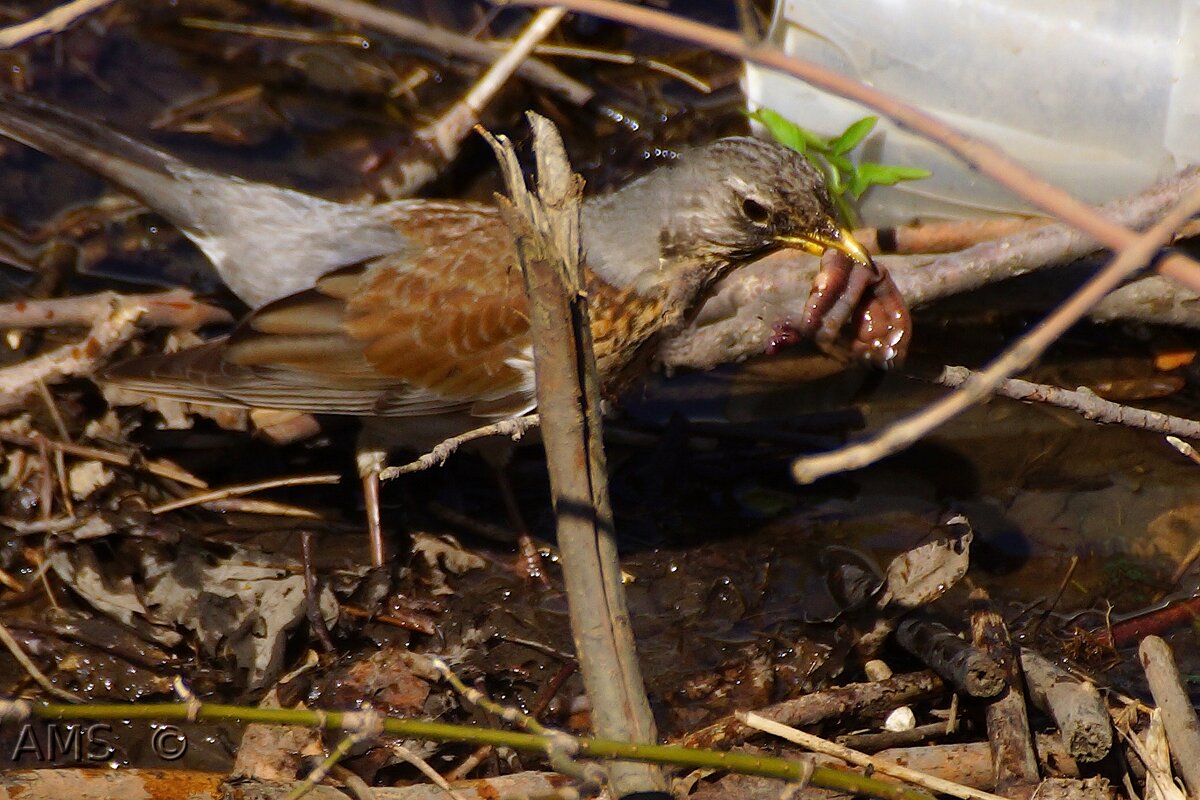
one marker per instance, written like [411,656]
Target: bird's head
[684,225]
[739,198]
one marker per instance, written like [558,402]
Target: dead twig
[513,428]
[1076,706]
[1014,762]
[110,331]
[409,757]
[629,59]
[177,308]
[260,31]
[958,661]
[56,20]
[1083,401]
[239,505]
[444,136]
[312,606]
[1178,715]
[53,525]
[840,702]
[413,622]
[454,124]
[161,468]
[1173,614]
[1155,753]
[1038,247]
[244,489]
[27,664]
[444,41]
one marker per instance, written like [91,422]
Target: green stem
[783,769]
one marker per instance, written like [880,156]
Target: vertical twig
[546,228]
[312,594]
[1014,764]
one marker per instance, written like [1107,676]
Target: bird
[413,313]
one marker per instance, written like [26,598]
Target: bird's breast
[624,325]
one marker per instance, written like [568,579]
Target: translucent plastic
[1099,96]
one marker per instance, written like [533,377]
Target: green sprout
[846,180]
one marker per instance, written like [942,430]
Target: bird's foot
[529,563]
[849,292]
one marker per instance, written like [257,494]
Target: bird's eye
[755,211]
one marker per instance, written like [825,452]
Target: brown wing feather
[426,331]
[452,320]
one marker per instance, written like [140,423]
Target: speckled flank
[622,321]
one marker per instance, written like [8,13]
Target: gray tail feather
[150,175]
[265,241]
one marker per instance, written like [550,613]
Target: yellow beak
[824,236]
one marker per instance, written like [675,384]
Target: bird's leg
[529,558]
[847,291]
[370,463]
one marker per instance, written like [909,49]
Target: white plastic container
[1099,96]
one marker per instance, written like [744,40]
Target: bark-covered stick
[1013,760]
[855,700]
[956,660]
[1077,708]
[1178,714]
[546,228]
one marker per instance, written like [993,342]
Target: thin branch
[1083,401]
[442,40]
[747,763]
[177,308]
[109,331]
[54,525]
[38,676]
[1178,713]
[239,505]
[56,20]
[559,754]
[161,468]
[977,153]
[607,56]
[443,137]
[512,428]
[281,33]
[876,765]
[545,227]
[244,489]
[1046,245]
[1018,357]
[453,126]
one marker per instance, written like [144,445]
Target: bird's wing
[442,330]
[455,320]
